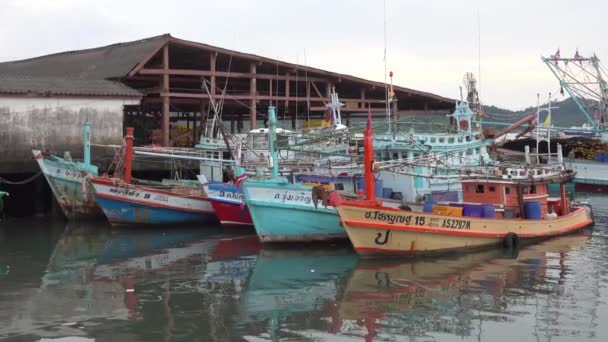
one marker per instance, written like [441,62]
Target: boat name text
[435,222]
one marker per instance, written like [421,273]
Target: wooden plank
[200,73]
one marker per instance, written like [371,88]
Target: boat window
[395,155]
[260,142]
[492,189]
[468,138]
[339,186]
[507,190]
[282,141]
[433,140]
[416,155]
[478,150]
[469,152]
[450,140]
[459,139]
[533,189]
[479,189]
[441,140]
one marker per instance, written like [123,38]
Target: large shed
[162,82]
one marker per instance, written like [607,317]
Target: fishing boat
[67,180]
[227,200]
[511,207]
[127,200]
[285,212]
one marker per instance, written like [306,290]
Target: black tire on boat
[510,241]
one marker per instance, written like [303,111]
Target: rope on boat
[23,182]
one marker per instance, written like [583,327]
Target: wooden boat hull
[229,206]
[232,215]
[66,180]
[127,203]
[283,212]
[387,231]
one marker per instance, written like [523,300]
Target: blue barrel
[472,210]
[379,189]
[386,192]
[605,159]
[379,182]
[428,206]
[509,214]
[599,156]
[532,210]
[488,211]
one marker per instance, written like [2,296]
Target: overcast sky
[431,44]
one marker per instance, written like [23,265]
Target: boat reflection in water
[291,286]
[454,295]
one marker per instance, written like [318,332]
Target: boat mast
[86,137]
[368,159]
[272,138]
[128,155]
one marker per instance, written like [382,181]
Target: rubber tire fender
[510,241]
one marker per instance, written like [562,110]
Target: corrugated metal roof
[63,86]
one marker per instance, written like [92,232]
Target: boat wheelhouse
[434,158]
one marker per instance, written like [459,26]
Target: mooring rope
[23,182]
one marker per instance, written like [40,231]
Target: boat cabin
[516,192]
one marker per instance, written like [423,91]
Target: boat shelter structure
[165,87]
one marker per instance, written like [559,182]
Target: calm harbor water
[91,282]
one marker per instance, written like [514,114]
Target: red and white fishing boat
[126,200]
[506,205]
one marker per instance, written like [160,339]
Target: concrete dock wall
[55,124]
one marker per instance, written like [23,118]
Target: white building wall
[55,123]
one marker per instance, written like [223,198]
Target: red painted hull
[590,187]
[231,214]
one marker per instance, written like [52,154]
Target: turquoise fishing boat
[67,179]
[285,212]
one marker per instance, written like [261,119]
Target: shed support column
[165,97]
[252,94]
[293,118]
[203,116]
[307,99]
[194,130]
[394,109]
[212,58]
[362,103]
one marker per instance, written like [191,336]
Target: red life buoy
[464,124]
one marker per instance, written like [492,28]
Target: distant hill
[567,114]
